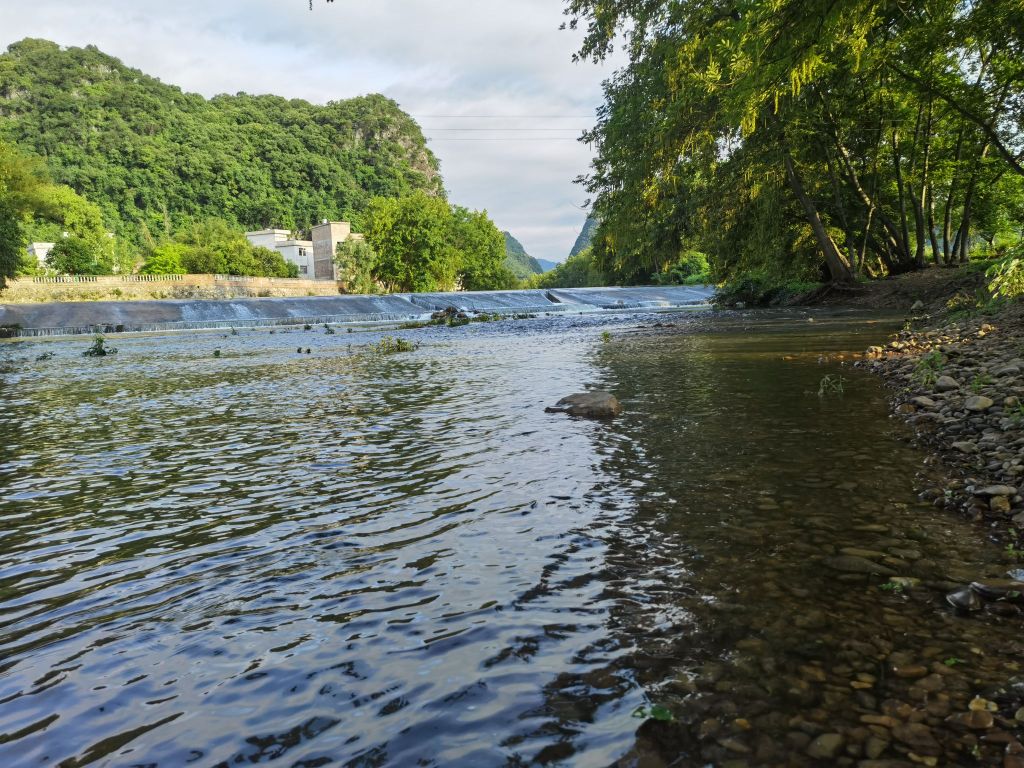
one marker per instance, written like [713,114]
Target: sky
[492,82]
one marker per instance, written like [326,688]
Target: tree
[853,136]
[481,248]
[22,182]
[357,263]
[76,255]
[166,259]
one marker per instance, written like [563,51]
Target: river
[217,550]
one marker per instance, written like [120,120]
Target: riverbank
[959,382]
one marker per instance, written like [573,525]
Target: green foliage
[1006,277]
[214,247]
[165,259]
[424,244]
[654,712]
[23,188]
[78,256]
[357,261]
[390,345]
[760,290]
[928,368]
[579,271]
[521,264]
[796,140]
[148,153]
[691,268]
[99,348]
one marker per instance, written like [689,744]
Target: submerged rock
[965,600]
[855,564]
[589,405]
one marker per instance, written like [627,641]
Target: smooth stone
[853,564]
[588,405]
[946,384]
[923,402]
[965,600]
[993,589]
[978,403]
[996,490]
[966,446]
[825,747]
[871,554]
[918,737]
[1000,504]
[975,720]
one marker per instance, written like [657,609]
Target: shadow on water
[354,559]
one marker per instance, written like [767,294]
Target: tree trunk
[838,268]
[930,208]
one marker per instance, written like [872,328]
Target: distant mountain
[586,235]
[518,260]
[546,265]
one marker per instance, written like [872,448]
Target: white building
[40,251]
[297,252]
[314,258]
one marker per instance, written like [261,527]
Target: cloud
[491,81]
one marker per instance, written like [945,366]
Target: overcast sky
[462,68]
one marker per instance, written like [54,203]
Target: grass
[979,382]
[390,345]
[928,368]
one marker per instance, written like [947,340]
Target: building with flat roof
[314,258]
[297,252]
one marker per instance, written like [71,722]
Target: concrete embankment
[69,318]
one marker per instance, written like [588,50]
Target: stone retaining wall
[31,290]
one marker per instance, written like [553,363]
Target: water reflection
[403,560]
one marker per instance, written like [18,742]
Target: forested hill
[518,260]
[147,152]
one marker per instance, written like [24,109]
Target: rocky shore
[960,384]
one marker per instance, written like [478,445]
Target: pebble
[825,747]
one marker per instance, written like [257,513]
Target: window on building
[303,268]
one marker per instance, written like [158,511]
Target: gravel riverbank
[960,384]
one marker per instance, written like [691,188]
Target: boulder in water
[590,405]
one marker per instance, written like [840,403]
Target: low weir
[71,318]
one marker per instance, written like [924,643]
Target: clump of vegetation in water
[928,368]
[328,331]
[44,356]
[307,327]
[390,345]
[831,385]
[654,712]
[606,336]
[99,348]
[485,318]
[216,353]
[234,331]
[413,325]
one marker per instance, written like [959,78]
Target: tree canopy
[153,157]
[804,137]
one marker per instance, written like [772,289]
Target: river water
[356,559]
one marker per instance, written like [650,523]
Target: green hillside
[585,237]
[518,260]
[147,152]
